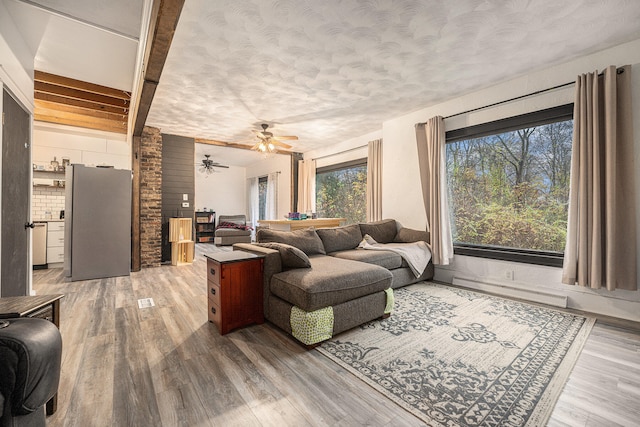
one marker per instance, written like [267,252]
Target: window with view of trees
[341,191]
[509,186]
[262,197]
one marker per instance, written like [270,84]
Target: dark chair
[30,354]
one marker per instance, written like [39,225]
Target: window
[262,197]
[341,191]
[509,187]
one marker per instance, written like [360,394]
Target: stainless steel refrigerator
[97,240]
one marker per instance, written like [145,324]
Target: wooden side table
[234,289]
[41,306]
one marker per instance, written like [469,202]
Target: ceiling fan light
[271,147]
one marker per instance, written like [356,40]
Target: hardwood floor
[167,365]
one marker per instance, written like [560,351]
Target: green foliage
[342,194]
[512,189]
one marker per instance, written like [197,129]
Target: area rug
[454,357]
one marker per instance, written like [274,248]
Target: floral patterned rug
[454,357]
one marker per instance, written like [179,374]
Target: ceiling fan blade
[279,143]
[218,165]
[287,137]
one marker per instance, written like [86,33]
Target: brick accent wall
[150,197]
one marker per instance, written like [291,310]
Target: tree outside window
[341,191]
[510,189]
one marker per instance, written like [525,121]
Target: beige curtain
[431,157]
[601,231]
[374,180]
[306,185]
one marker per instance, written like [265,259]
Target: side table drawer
[215,314]
[214,293]
[44,313]
[214,272]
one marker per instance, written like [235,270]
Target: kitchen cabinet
[55,243]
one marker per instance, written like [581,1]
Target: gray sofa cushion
[221,232]
[386,259]
[382,231]
[340,238]
[407,235]
[306,240]
[291,256]
[328,282]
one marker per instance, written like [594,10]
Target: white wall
[85,146]
[401,182]
[351,149]
[224,191]
[16,60]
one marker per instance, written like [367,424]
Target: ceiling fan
[208,166]
[268,143]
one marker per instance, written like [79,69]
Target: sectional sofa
[318,283]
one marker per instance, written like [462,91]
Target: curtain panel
[430,138]
[601,230]
[374,180]
[271,205]
[254,201]
[307,185]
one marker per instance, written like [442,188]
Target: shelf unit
[181,238]
[205,227]
[57,178]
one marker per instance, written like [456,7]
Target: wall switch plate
[185,196]
[509,275]
[185,204]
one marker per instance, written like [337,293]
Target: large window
[341,191]
[262,197]
[509,186]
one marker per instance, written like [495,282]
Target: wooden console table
[42,306]
[296,224]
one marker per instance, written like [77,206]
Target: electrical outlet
[509,275]
[185,204]
[185,197]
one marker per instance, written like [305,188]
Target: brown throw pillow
[306,239]
[382,231]
[340,238]
[291,256]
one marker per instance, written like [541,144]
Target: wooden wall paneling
[178,178]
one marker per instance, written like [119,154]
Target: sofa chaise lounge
[318,283]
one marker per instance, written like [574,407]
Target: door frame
[7,84]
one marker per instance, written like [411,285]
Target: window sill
[550,259]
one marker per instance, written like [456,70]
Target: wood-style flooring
[167,366]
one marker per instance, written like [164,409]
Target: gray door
[14,280]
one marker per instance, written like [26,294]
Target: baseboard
[534,295]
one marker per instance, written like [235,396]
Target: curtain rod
[339,152]
[618,71]
[260,176]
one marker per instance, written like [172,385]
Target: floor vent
[145,303]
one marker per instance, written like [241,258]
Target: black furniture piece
[30,356]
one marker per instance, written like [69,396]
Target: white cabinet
[55,243]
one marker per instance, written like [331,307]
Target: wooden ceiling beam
[51,89]
[67,108]
[66,82]
[161,31]
[87,105]
[233,145]
[77,120]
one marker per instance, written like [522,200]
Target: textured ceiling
[331,70]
